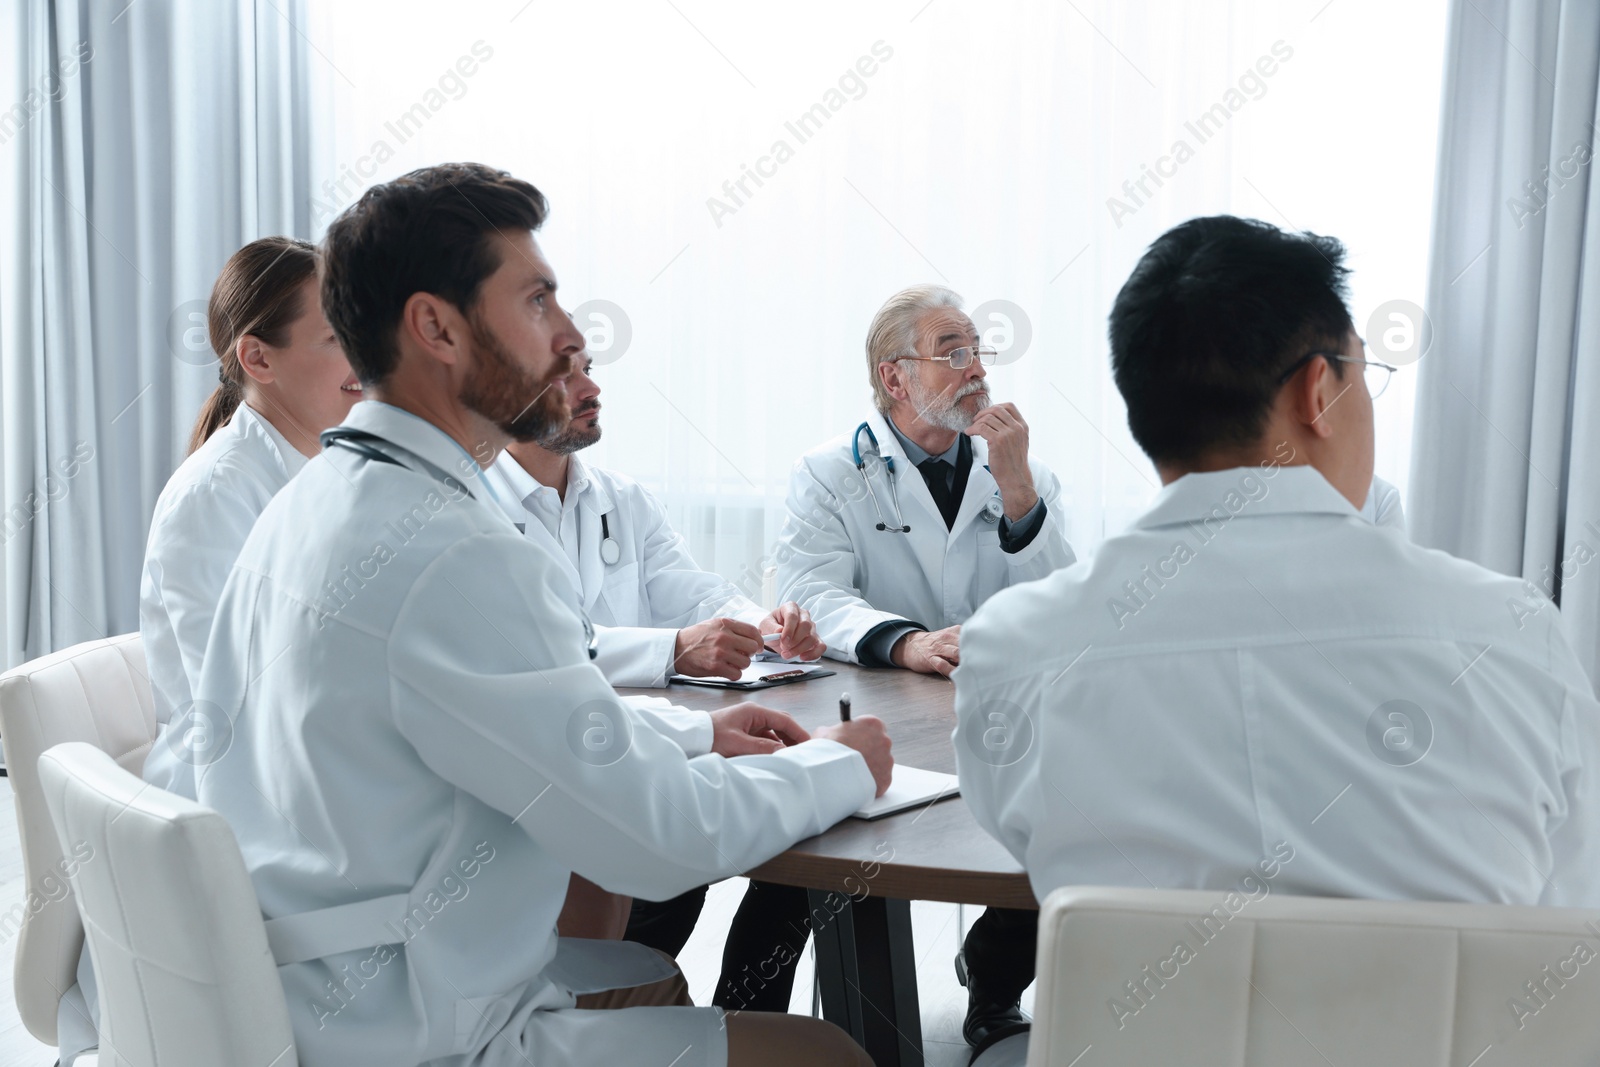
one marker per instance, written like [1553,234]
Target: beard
[575,437]
[524,407]
[947,412]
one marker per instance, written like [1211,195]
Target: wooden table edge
[898,881]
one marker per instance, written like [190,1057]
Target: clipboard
[759,676]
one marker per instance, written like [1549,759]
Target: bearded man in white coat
[899,530]
[421,752]
[656,613]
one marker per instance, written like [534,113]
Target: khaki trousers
[755,1038]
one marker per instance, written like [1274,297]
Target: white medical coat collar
[1300,489]
[423,439]
[252,422]
[591,491]
[919,455]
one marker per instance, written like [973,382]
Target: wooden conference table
[862,875]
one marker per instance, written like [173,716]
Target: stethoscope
[610,551]
[362,444]
[991,510]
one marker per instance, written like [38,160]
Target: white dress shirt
[201,520]
[639,603]
[413,715]
[1251,664]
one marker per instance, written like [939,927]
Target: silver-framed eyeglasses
[961,358]
[1377,374]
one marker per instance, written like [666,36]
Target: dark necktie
[936,472]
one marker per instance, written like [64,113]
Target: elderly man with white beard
[891,565]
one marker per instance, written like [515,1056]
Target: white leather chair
[1308,980]
[180,952]
[98,692]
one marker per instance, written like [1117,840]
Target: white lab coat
[418,733]
[853,577]
[1383,506]
[655,589]
[1164,715]
[201,520]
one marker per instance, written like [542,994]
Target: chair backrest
[98,692]
[1177,976]
[180,953]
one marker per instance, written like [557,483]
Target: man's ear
[254,359]
[1313,390]
[436,326]
[893,379]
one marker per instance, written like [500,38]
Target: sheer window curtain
[1508,417]
[736,188]
[143,144]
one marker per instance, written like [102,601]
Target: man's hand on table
[935,652]
[865,734]
[749,729]
[716,648]
[797,633]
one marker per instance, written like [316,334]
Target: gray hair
[893,333]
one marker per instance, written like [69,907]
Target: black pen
[844,707]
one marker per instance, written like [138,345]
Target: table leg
[867,969]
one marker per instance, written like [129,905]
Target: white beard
[945,413]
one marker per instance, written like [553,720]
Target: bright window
[748,183]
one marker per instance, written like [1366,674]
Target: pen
[765,638]
[844,707]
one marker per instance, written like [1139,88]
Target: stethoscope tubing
[991,513]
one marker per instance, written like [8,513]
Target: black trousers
[1000,951]
[764,944]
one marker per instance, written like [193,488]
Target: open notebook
[911,787]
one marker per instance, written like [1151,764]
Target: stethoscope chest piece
[993,510]
[610,551]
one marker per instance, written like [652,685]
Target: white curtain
[148,141]
[1507,458]
[971,143]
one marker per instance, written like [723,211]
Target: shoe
[994,1037]
[989,1022]
[989,1019]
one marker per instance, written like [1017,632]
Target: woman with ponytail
[282,380]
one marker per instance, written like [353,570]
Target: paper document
[910,787]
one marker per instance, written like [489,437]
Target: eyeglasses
[960,358]
[1377,374]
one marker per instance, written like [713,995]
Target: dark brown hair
[430,231]
[257,294]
